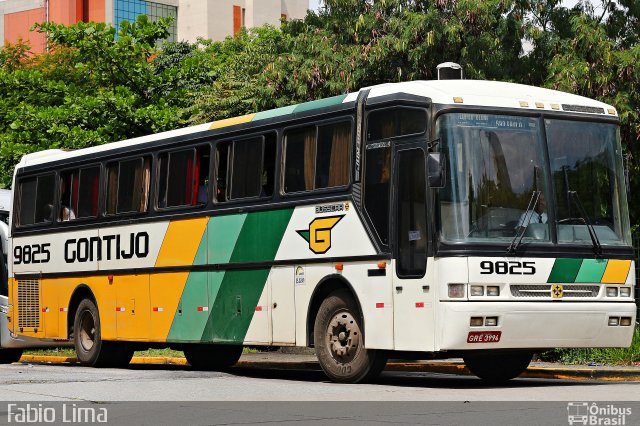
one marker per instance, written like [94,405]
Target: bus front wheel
[90,348]
[9,356]
[212,357]
[339,341]
[498,367]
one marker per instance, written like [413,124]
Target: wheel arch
[80,293]
[324,288]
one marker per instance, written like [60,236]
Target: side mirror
[435,169]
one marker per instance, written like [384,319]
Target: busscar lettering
[101,248]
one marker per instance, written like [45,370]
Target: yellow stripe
[616,272]
[231,121]
[165,290]
[181,242]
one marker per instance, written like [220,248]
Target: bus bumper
[534,325]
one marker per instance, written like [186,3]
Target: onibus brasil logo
[319,233]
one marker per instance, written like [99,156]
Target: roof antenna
[449,71]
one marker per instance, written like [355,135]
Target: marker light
[625,291]
[476,322]
[612,291]
[339,266]
[493,290]
[477,290]
[456,291]
[614,321]
[491,321]
[625,321]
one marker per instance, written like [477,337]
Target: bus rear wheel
[498,367]
[339,341]
[212,357]
[90,348]
[9,356]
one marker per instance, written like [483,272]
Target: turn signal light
[625,291]
[476,322]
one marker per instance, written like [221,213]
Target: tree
[93,87]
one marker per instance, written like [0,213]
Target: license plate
[484,336]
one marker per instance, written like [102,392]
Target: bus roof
[445,92]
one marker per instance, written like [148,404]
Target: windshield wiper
[597,248]
[526,217]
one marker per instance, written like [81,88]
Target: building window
[128,10]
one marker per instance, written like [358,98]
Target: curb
[424,367]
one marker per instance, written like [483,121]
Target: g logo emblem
[319,233]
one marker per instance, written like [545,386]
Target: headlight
[456,291]
[477,290]
[612,291]
[625,291]
[493,290]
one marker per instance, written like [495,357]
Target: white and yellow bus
[474,219]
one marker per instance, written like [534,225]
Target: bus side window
[36,200]
[128,186]
[88,192]
[333,155]
[176,179]
[377,187]
[392,122]
[300,160]
[222,167]
[201,186]
[267,179]
[68,195]
[246,170]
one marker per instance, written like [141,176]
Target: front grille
[544,290]
[28,303]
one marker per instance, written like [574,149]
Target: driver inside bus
[538,215]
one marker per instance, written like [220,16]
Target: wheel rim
[343,337]
[87,333]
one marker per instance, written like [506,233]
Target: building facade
[214,19]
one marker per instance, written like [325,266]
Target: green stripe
[187,322]
[240,291]
[223,232]
[564,270]
[274,112]
[591,271]
[320,103]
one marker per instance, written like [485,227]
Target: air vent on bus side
[29,304]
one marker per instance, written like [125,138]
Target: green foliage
[608,356]
[93,87]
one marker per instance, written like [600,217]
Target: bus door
[413,298]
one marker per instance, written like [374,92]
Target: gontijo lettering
[110,246]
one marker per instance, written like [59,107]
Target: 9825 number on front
[512,267]
[31,253]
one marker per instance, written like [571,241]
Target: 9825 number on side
[512,267]
[31,253]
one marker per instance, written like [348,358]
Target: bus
[424,219]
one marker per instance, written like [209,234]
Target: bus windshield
[497,185]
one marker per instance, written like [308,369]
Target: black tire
[498,367]
[339,341]
[9,356]
[209,357]
[90,348]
